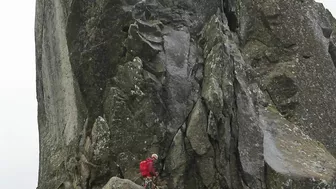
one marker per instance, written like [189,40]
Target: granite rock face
[117,183]
[230,93]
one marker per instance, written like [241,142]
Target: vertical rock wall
[230,94]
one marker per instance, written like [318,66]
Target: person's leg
[151,183]
[148,183]
[145,182]
[154,181]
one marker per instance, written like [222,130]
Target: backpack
[144,168]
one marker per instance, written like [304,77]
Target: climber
[147,169]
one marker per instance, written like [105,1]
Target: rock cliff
[231,94]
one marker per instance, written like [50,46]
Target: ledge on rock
[292,154]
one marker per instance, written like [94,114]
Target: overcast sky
[19,133]
[18,117]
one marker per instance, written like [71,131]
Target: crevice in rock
[198,174]
[191,167]
[232,20]
[119,171]
[88,185]
[162,162]
[124,52]
[306,56]
[215,145]
[265,175]
[125,29]
[271,98]
[239,175]
[332,52]
[229,8]
[171,142]
[327,32]
[235,127]
[181,127]
[197,73]
[162,170]
[255,39]
[290,46]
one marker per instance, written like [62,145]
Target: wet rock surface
[230,94]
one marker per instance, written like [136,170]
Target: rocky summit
[231,94]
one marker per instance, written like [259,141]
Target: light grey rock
[117,183]
[196,130]
[176,161]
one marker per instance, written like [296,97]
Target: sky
[18,106]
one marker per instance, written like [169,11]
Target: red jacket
[151,167]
